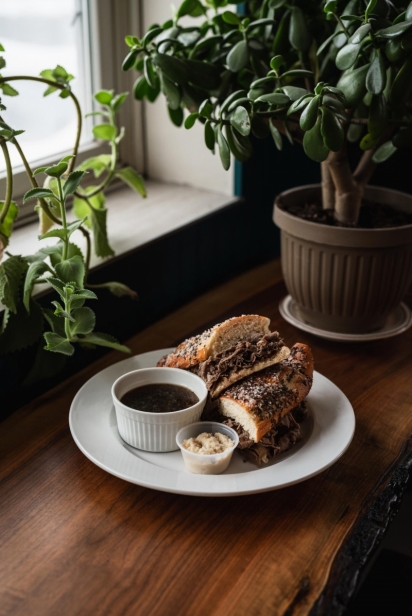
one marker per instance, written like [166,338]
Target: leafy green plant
[61,265]
[319,73]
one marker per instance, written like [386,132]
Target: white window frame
[146,128]
[103,19]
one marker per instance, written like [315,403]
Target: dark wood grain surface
[75,540]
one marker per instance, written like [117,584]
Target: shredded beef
[281,438]
[244,354]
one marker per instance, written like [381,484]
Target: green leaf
[277,137]
[130,59]
[106,341]
[81,207]
[176,115]
[130,177]
[38,193]
[55,252]
[376,75]
[209,136]
[369,142]
[118,101]
[347,56]
[8,90]
[328,41]
[83,294]
[60,233]
[276,62]
[352,84]
[84,321]
[55,322]
[39,170]
[193,8]
[230,99]
[360,33]
[58,344]
[300,104]
[294,93]
[36,269]
[72,183]
[11,273]
[369,8]
[119,289]
[384,152]
[104,97]
[310,114]
[297,73]
[102,247]
[239,146]
[172,92]
[206,109]
[97,164]
[313,143]
[224,151]
[331,130]
[56,171]
[105,132]
[149,72]
[6,226]
[60,312]
[71,270]
[238,57]
[57,285]
[394,31]
[174,68]
[231,18]
[299,34]
[191,120]
[73,226]
[241,121]
[277,98]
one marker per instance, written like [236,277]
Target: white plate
[398,321]
[327,433]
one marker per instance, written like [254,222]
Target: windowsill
[133,221]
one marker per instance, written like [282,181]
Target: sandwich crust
[218,338]
[258,402]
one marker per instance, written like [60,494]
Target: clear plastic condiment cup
[206,464]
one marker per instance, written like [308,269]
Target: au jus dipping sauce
[159,398]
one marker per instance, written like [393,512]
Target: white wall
[175,154]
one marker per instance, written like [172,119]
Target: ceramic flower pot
[344,280]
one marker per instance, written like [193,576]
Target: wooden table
[78,541]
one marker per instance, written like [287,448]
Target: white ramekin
[155,431]
[211,464]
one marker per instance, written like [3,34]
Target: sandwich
[229,351]
[266,408]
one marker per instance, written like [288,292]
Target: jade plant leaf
[313,143]
[332,130]
[240,120]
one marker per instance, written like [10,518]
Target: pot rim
[344,236]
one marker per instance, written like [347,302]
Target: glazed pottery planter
[344,280]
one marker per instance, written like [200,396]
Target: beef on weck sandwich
[266,408]
[229,351]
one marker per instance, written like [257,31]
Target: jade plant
[62,265]
[322,74]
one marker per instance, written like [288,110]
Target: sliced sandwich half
[229,351]
[266,408]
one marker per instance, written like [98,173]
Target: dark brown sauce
[159,398]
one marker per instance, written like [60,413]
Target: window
[87,38]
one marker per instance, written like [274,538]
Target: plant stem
[59,86]
[88,251]
[43,203]
[64,221]
[9,184]
[348,192]
[328,187]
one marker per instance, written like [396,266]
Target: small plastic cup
[206,464]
